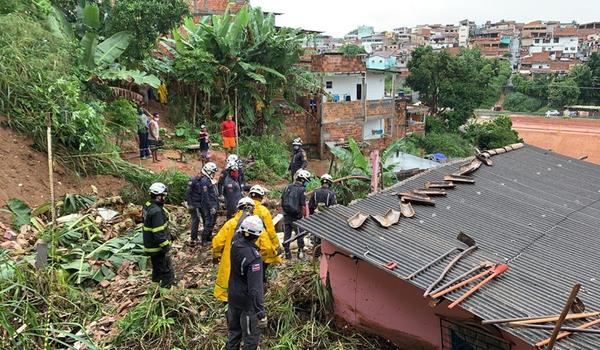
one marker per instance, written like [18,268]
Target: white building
[563,41]
[348,86]
[463,35]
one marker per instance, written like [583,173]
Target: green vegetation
[272,157]
[493,134]
[351,50]
[458,83]
[518,102]
[580,86]
[239,57]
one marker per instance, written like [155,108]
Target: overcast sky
[337,17]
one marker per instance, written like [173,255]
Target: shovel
[495,272]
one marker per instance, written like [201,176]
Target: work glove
[213,211]
[215,260]
[221,198]
[263,322]
[185,205]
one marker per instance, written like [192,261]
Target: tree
[451,82]
[351,49]
[563,93]
[582,75]
[251,59]
[147,20]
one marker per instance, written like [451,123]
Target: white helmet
[232,165]
[202,126]
[326,178]
[303,175]
[245,202]
[209,169]
[258,190]
[158,188]
[232,158]
[252,225]
[297,142]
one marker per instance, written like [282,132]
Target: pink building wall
[370,298]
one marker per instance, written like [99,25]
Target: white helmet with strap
[258,190]
[252,226]
[232,158]
[209,169]
[244,202]
[158,188]
[297,142]
[232,165]
[326,178]
[303,175]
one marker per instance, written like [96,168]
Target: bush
[450,144]
[493,134]
[268,149]
[518,102]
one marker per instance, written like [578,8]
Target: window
[329,84]
[556,40]
[537,41]
[572,49]
[374,129]
[466,336]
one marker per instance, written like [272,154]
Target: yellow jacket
[268,240]
[221,248]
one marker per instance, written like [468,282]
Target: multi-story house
[563,42]
[354,104]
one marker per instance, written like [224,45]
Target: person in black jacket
[209,201]
[293,202]
[157,240]
[240,177]
[232,191]
[245,311]
[193,199]
[323,197]
[298,158]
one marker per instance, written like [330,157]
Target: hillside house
[537,211]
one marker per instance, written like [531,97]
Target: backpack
[291,201]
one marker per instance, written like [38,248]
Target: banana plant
[101,57]
[250,58]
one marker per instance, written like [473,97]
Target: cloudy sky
[337,17]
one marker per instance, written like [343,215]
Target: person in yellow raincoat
[268,240]
[221,246]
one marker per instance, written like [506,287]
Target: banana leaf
[21,212]
[91,16]
[112,48]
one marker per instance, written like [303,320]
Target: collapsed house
[533,212]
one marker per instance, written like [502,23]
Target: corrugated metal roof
[536,210]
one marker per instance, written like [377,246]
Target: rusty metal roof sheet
[536,210]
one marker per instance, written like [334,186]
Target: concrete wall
[342,85]
[371,299]
[375,85]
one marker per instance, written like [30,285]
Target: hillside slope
[24,174]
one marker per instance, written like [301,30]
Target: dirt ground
[24,174]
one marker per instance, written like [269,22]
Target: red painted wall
[370,298]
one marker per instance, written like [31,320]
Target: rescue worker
[293,202]
[232,192]
[322,197]
[193,199]
[298,158]
[209,201]
[221,245]
[245,311]
[268,241]
[157,240]
[240,177]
